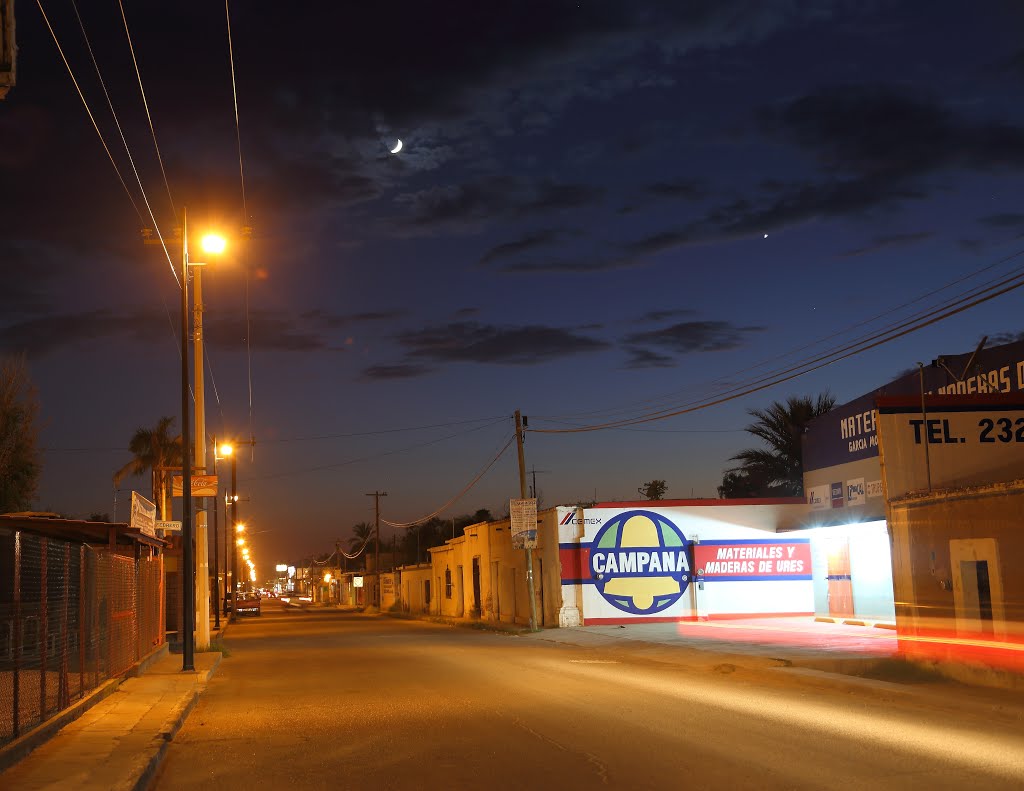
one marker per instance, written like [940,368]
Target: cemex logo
[639,562]
[571,519]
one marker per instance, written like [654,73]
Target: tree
[155,450]
[776,470]
[20,463]
[362,534]
[654,490]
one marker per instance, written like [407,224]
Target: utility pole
[216,558]
[234,535]
[188,582]
[376,497]
[533,489]
[337,564]
[202,543]
[522,495]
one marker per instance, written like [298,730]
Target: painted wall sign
[639,562]
[849,432]
[955,441]
[752,560]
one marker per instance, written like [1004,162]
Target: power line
[85,103]
[493,419]
[1005,286]
[145,104]
[372,456]
[454,499]
[245,219]
[723,384]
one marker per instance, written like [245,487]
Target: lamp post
[211,244]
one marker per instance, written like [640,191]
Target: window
[426,591]
[447,583]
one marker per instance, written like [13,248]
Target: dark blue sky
[575,227]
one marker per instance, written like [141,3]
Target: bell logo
[639,562]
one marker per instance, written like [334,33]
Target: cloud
[661,315]
[530,241]
[45,334]
[695,336]
[483,343]
[597,263]
[327,320]
[881,132]
[498,197]
[383,372]
[1003,220]
[873,147]
[884,242]
[1000,338]
[688,189]
[645,358]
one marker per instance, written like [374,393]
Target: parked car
[249,603]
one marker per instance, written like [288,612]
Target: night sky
[600,209]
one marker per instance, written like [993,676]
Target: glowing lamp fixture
[327,577]
[213,243]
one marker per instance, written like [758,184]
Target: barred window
[447,583]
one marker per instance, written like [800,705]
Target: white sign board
[143,515]
[955,441]
[523,514]
[357,582]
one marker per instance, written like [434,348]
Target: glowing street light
[213,243]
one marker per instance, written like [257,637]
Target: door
[977,587]
[540,592]
[495,589]
[460,594]
[476,587]
[840,583]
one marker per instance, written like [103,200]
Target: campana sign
[639,562]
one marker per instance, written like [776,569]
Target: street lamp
[212,244]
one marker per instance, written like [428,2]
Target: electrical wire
[131,159]
[373,456]
[493,419]
[723,383]
[85,103]
[145,104]
[245,217]
[457,497]
[234,92]
[969,301]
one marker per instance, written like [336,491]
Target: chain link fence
[71,617]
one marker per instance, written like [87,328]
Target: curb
[162,740]
[17,750]
[151,771]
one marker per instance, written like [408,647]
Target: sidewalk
[119,742]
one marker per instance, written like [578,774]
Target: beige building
[479,575]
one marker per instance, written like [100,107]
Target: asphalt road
[326,699]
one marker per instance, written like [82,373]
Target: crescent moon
[398,147]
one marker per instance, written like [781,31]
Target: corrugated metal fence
[71,617]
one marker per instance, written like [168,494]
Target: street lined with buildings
[328,698]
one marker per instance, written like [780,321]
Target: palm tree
[361,535]
[779,468]
[155,450]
